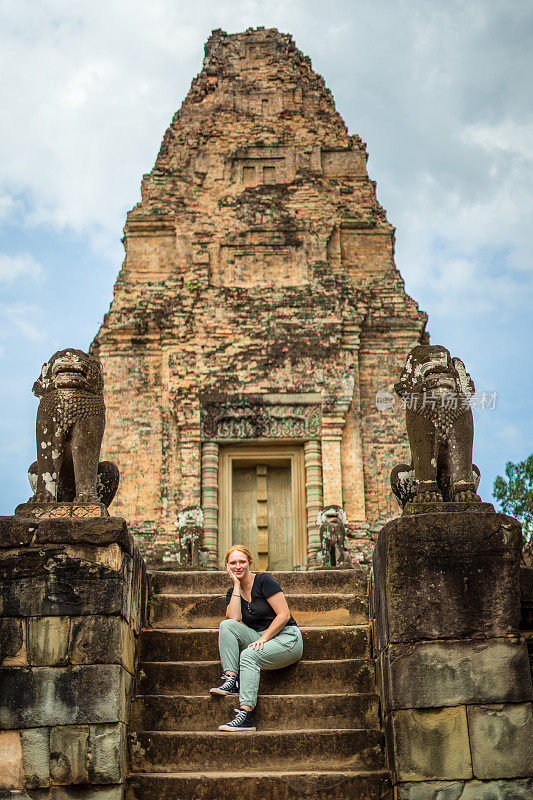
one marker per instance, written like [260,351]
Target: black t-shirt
[258,613]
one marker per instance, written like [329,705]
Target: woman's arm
[233,609]
[283,615]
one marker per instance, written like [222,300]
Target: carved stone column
[313,489]
[210,500]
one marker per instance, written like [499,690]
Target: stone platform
[72,599]
[452,667]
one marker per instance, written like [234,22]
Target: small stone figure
[436,390]
[70,427]
[332,522]
[190,523]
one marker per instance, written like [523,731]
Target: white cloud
[507,135]
[23,319]
[88,91]
[7,206]
[462,287]
[18,266]
[474,243]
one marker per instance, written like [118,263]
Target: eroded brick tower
[257,313]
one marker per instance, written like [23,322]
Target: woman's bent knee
[248,656]
[228,624]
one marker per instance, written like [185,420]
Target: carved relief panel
[264,104]
[255,417]
[366,253]
[150,244]
[256,166]
[261,258]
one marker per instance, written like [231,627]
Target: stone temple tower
[257,313]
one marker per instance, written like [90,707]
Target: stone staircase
[318,721]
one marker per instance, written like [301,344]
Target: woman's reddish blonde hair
[241,549]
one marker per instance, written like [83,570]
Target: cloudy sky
[440,92]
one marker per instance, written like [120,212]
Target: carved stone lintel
[257,418]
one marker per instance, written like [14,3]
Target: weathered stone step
[205,610]
[286,785]
[190,582]
[202,644]
[306,677]
[156,751]
[273,712]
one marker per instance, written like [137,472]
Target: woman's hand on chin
[236,581]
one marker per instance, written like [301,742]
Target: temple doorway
[262,504]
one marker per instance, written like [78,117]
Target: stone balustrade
[72,602]
[452,667]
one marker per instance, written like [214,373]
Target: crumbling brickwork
[258,261]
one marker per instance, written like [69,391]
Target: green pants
[284,649]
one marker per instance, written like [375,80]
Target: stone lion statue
[332,521]
[70,427]
[436,391]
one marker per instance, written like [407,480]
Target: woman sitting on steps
[259,623]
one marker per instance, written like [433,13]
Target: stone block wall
[72,601]
[452,667]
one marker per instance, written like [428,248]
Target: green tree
[515,495]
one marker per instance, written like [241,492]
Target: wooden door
[261,503]
[279,517]
[262,513]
